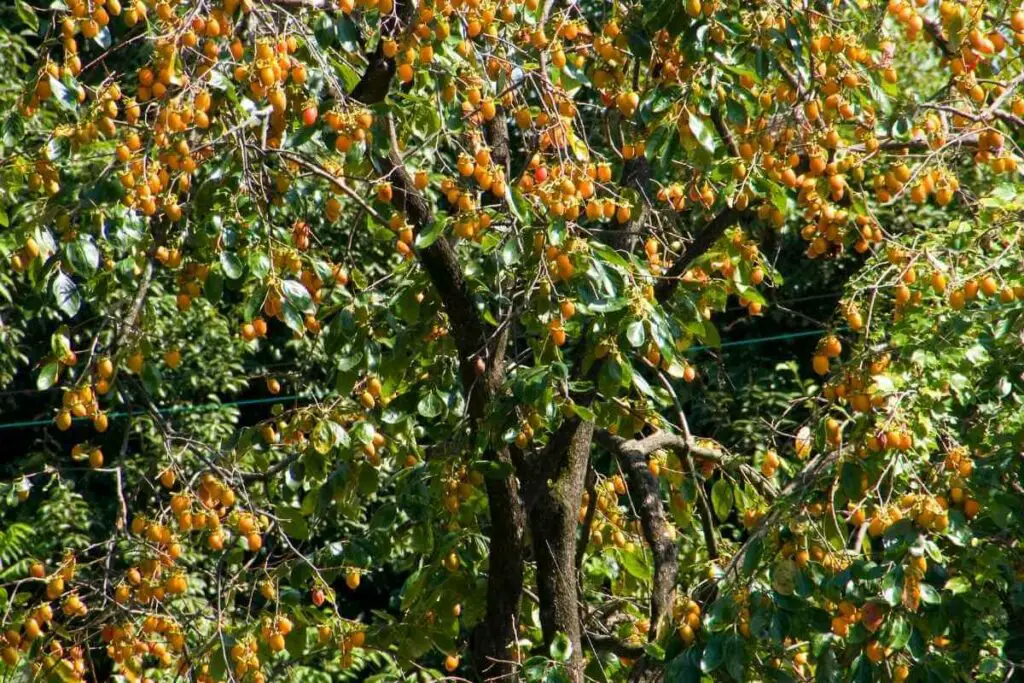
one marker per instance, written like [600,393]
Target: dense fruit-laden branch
[790,495]
[308,4]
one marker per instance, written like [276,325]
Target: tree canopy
[408,340]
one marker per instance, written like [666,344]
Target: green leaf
[977,354]
[348,36]
[325,436]
[714,654]
[213,288]
[735,657]
[103,38]
[27,15]
[583,412]
[784,577]
[655,652]
[66,294]
[929,595]
[892,586]
[364,432]
[958,585]
[58,148]
[83,255]
[636,565]
[575,73]
[431,405]
[701,132]
[850,478]
[427,237]
[609,379]
[259,264]
[828,667]
[293,318]
[369,480]
[232,265]
[762,63]
[60,342]
[901,128]
[295,641]
[510,252]
[13,129]
[710,335]
[561,648]
[323,30]
[722,498]
[898,632]
[635,333]
[686,667]
[151,377]
[66,98]
[294,293]
[753,556]
[493,470]
[48,375]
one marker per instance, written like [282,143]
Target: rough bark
[375,82]
[636,175]
[496,132]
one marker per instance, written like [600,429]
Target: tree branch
[724,132]
[614,645]
[657,532]
[707,522]
[497,631]
[309,4]
[934,31]
[704,240]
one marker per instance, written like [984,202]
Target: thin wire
[188,409]
[268,366]
[258,401]
[169,410]
[794,300]
[760,340]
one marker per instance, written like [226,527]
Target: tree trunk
[553,521]
[492,651]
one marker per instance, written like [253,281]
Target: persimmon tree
[474,245]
